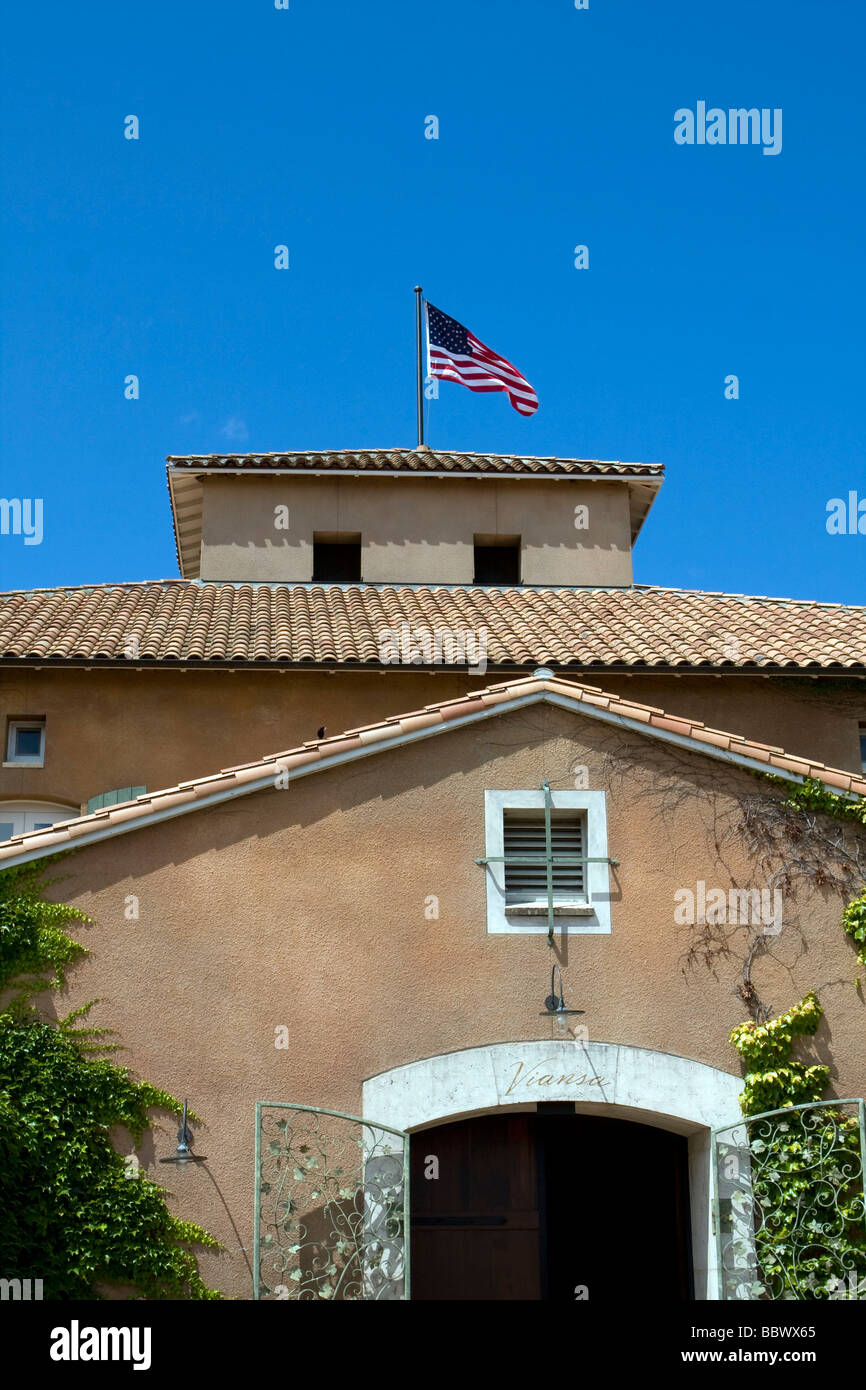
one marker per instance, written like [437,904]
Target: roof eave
[570,669]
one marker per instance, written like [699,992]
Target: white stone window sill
[25,762]
[540,910]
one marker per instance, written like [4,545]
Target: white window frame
[14,726]
[25,814]
[594,918]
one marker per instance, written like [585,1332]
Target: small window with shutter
[526,878]
[516,858]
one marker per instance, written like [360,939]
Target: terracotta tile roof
[262,774]
[411,461]
[186,622]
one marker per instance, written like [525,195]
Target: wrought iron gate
[331,1206]
[788,1209]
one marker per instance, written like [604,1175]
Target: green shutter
[98,803]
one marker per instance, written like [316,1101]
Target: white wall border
[634,1083]
[597,876]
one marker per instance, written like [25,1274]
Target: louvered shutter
[115,798]
[524,834]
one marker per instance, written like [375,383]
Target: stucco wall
[305,907]
[121,728]
[415,530]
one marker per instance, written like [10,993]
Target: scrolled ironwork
[790,1203]
[331,1206]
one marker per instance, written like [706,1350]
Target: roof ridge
[400,449]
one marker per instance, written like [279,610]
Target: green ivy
[772,1081]
[794,1084]
[806,1181]
[35,949]
[75,1215]
[854,923]
[766,1043]
[812,795]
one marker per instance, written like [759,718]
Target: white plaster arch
[636,1083]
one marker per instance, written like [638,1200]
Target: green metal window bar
[549,859]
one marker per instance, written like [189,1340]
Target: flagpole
[420,373]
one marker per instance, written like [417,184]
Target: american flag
[455,354]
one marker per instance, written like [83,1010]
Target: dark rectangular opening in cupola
[497,559]
[336,557]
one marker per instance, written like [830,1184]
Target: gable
[350,908]
[413,810]
[422,725]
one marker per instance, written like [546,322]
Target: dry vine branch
[786,846]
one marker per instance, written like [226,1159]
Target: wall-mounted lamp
[554,1004]
[183,1153]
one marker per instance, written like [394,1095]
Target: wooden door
[476,1226]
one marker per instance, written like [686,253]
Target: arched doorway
[549,1205]
[609,1081]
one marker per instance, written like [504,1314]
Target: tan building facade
[316,940]
[409,529]
[366,923]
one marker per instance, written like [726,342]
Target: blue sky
[305,127]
